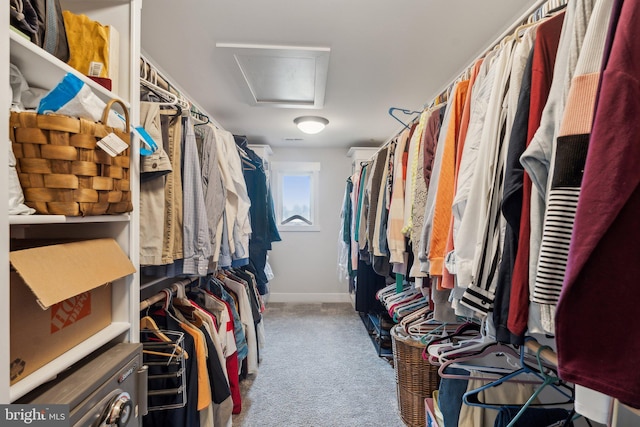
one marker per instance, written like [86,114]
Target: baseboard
[308,297]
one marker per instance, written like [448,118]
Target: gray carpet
[319,369]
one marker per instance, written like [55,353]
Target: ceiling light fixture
[310,124]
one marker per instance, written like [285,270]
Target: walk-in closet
[320,214]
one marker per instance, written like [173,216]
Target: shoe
[386,323]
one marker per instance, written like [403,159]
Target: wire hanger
[404,111]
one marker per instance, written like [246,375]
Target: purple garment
[600,293]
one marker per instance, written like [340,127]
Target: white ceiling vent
[283,76]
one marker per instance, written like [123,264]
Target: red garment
[544,59]
[600,292]
[430,141]
[231,361]
[233,369]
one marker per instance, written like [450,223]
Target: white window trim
[282,168]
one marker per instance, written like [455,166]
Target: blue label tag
[148,141]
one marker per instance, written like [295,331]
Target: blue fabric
[60,95]
[450,396]
[263,228]
[532,417]
[240,262]
[241,341]
[224,261]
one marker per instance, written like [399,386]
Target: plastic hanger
[169,98]
[417,316]
[427,327]
[296,217]
[404,111]
[471,397]
[491,348]
[477,340]
[401,310]
[395,297]
[200,118]
[385,290]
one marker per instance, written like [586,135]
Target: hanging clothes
[513,181]
[568,162]
[187,415]
[215,193]
[420,191]
[378,214]
[246,317]
[172,135]
[345,268]
[446,177]
[480,292]
[548,35]
[153,171]
[197,248]
[432,189]
[537,158]
[448,278]
[464,233]
[263,230]
[429,142]
[606,234]
[395,238]
[237,204]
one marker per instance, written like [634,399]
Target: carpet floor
[318,369]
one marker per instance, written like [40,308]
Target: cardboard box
[60,296]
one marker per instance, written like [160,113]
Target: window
[295,192]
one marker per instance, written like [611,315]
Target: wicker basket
[61,169]
[416,379]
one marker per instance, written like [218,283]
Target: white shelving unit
[360,154]
[45,71]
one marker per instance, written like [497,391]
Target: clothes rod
[161,295]
[531,11]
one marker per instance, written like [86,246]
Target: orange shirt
[448,281]
[204,388]
[446,183]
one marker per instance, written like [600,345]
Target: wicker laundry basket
[61,169]
[416,379]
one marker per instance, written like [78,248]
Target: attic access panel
[282,76]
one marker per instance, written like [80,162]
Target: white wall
[305,263]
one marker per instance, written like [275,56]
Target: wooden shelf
[43,70]
[59,364]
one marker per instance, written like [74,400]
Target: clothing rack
[534,13]
[164,82]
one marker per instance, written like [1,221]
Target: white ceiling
[384,53]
